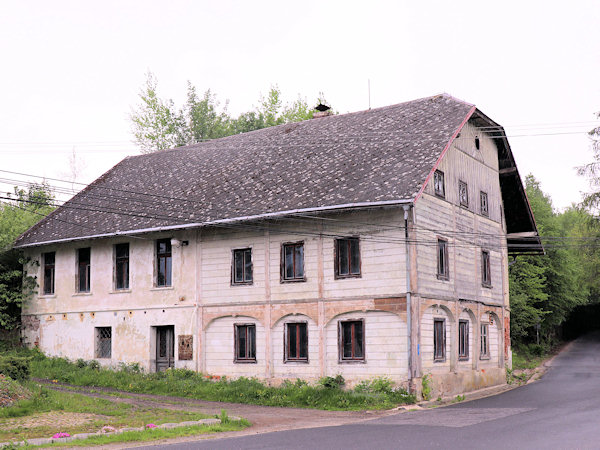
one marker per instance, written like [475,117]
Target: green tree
[16,217]
[592,171]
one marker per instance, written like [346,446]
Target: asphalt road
[562,410]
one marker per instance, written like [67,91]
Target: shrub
[15,367]
[332,382]
[81,363]
[426,386]
[93,364]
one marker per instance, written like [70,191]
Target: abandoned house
[366,244]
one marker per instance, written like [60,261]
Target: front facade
[402,287]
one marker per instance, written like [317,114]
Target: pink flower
[150,425]
[61,435]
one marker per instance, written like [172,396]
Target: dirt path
[263,418]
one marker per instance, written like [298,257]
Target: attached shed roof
[378,156]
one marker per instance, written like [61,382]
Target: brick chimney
[322,111]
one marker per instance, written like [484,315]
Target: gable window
[485,343]
[438,184]
[245,343]
[122,266]
[439,340]
[463,194]
[483,203]
[442,260]
[351,340]
[49,272]
[486,277]
[292,262]
[164,263]
[103,342]
[347,258]
[241,270]
[296,342]
[463,339]
[83,269]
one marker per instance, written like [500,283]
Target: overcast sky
[71,70]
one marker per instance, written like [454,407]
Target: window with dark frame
[483,203]
[296,342]
[103,342]
[122,266]
[485,343]
[83,269]
[245,343]
[486,277]
[463,339]
[351,340]
[49,259]
[463,194]
[438,184]
[241,270]
[164,263]
[442,260]
[347,258]
[439,340]
[292,262]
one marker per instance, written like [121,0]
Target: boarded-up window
[122,266]
[83,270]
[185,347]
[347,258]
[164,263]
[103,342]
[439,340]
[463,339]
[486,276]
[245,343]
[438,184]
[241,269]
[463,194]
[49,272]
[442,260]
[351,340]
[485,343]
[296,342]
[292,262]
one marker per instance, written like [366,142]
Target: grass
[522,360]
[375,394]
[105,412]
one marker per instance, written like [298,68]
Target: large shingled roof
[379,155]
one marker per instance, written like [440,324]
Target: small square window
[347,258]
[292,262]
[164,263]
[83,270]
[351,340]
[48,259]
[485,343]
[241,267]
[103,342]
[442,260]
[483,202]
[296,342]
[463,339]
[486,276]
[439,340]
[438,184]
[122,266]
[245,343]
[463,194]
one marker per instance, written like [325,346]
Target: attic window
[477,142]
[438,183]
[463,194]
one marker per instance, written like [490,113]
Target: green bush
[15,367]
[332,382]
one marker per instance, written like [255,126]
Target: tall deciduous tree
[592,171]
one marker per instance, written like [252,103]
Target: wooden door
[165,347]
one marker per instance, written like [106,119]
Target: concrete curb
[45,441]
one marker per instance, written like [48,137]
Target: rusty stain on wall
[185,347]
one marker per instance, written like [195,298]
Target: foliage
[426,386]
[11,391]
[592,171]
[158,124]
[15,367]
[187,383]
[16,217]
[332,382]
[545,290]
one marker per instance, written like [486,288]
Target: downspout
[408,295]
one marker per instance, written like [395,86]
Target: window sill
[439,360]
[250,283]
[293,280]
[352,361]
[46,296]
[484,358]
[487,286]
[82,294]
[346,277]
[463,359]
[120,291]
[242,361]
[295,361]
[162,288]
[443,277]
